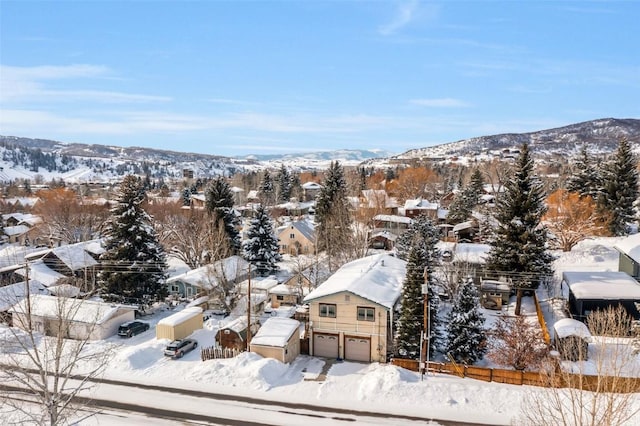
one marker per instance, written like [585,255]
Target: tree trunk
[518,301]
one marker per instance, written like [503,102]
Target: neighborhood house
[351,315]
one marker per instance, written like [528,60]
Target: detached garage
[278,338]
[180,325]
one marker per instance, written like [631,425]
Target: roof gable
[377,278]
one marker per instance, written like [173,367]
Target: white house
[86,319]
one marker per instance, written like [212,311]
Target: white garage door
[325,345]
[357,349]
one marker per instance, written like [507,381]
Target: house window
[284,247]
[327,310]
[174,288]
[366,314]
[347,298]
[279,297]
[292,236]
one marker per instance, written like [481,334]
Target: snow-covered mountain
[42,159]
[600,136]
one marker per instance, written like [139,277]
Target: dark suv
[132,328]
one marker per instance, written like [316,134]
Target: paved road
[202,407]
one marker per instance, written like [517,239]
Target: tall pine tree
[466,340]
[585,178]
[284,185]
[410,321]
[519,245]
[133,263]
[334,234]
[267,189]
[219,205]
[261,246]
[620,188]
[423,237]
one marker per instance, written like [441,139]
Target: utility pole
[249,309]
[426,332]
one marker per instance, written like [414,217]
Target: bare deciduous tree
[601,390]
[49,361]
[516,342]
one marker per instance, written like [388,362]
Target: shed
[494,294]
[589,291]
[233,335]
[180,325]
[278,338]
[571,339]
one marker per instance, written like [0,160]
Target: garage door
[325,345]
[357,349]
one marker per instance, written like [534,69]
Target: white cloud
[21,84]
[441,103]
[404,15]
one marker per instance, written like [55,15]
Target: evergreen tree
[267,189]
[460,208]
[134,263]
[476,186]
[585,176]
[261,246]
[284,185]
[423,237]
[519,246]
[186,197]
[219,205]
[333,216]
[620,188]
[466,341]
[410,321]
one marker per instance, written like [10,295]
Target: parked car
[132,328]
[178,348]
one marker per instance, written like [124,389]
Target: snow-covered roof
[238,325]
[13,293]
[377,278]
[66,290]
[375,198]
[304,227]
[16,230]
[608,285]
[385,234]
[25,201]
[494,285]
[236,189]
[40,272]
[276,332]
[74,256]
[28,218]
[282,289]
[78,310]
[463,225]
[471,252]
[257,284]
[570,327]
[630,246]
[197,302]
[419,203]
[181,316]
[393,218]
[207,276]
[311,185]
[14,254]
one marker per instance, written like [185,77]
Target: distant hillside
[600,136]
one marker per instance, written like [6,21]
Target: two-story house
[298,237]
[351,315]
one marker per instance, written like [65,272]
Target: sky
[272,77]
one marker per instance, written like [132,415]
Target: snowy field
[351,385]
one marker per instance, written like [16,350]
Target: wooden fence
[532,378]
[543,323]
[218,353]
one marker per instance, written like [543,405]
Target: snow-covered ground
[373,387]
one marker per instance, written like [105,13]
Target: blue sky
[269,77]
